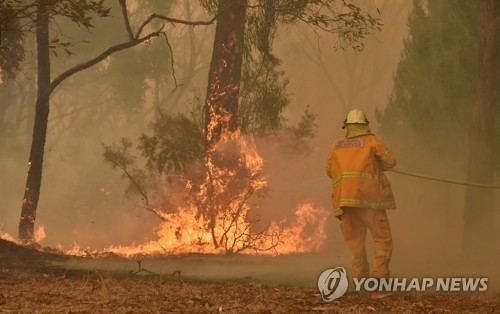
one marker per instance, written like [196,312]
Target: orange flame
[5,236]
[184,233]
[217,218]
[40,233]
[188,231]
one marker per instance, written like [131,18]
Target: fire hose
[418,175]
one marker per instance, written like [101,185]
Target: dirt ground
[33,281]
[24,290]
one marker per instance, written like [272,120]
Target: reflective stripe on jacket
[356,166]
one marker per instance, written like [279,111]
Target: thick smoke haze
[83,200]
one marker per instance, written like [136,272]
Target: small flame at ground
[40,233]
[184,233]
[39,236]
[5,236]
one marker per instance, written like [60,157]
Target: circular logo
[332,283]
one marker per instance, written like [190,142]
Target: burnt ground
[33,281]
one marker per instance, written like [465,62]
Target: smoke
[427,225]
[83,200]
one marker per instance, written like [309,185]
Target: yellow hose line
[418,175]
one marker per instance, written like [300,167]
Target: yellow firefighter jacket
[356,165]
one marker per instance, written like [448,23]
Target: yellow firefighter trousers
[353,223]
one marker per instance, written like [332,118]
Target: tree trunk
[221,105]
[224,76]
[479,229]
[33,182]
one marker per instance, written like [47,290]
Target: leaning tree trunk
[33,182]
[223,91]
[479,229]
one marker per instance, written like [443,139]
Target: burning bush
[203,195]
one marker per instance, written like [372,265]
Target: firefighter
[361,193]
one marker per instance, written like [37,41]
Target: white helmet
[355,116]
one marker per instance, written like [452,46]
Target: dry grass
[27,290]
[29,282]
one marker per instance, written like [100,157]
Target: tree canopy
[435,83]
[11,43]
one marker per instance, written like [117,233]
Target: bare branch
[82,66]
[134,41]
[123,4]
[142,269]
[174,21]
[172,62]
[139,188]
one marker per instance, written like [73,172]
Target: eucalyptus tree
[245,91]
[246,29]
[479,227]
[81,13]
[11,42]
[445,98]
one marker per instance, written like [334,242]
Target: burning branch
[233,177]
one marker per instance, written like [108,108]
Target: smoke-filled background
[83,200]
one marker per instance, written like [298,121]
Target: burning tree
[214,212]
[243,41]
[224,76]
[232,176]
[245,28]
[218,165]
